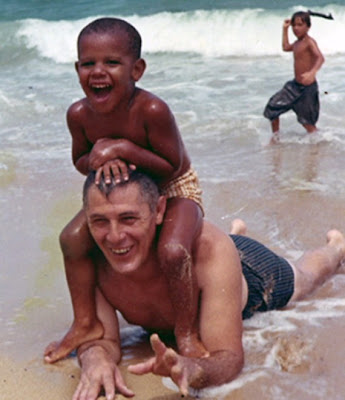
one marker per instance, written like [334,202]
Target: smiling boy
[115,127]
[301,94]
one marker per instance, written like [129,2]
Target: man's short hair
[147,186]
[113,26]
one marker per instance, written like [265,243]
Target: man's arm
[286,45]
[99,359]
[220,278]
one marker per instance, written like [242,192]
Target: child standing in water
[115,127]
[301,94]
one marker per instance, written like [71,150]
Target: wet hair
[304,15]
[114,26]
[147,187]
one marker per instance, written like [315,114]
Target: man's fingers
[77,392]
[109,387]
[157,345]
[120,386]
[86,391]
[179,376]
[143,367]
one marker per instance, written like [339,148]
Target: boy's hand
[103,150]
[287,23]
[114,168]
[307,78]
[166,362]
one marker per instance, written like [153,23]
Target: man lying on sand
[236,276]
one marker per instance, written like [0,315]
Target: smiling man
[124,220]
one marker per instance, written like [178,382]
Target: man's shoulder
[211,240]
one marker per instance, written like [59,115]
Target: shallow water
[289,194]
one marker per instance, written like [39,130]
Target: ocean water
[216,64]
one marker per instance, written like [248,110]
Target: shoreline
[34,380]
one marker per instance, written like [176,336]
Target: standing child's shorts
[303,100]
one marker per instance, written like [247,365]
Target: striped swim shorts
[270,278]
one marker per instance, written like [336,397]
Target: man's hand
[99,371]
[166,362]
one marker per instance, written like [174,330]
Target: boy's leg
[77,246]
[181,226]
[315,266]
[275,125]
[310,128]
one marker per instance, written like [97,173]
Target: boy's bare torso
[304,58]
[130,122]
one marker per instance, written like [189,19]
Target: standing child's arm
[287,46]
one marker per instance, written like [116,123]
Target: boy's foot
[275,138]
[191,346]
[76,335]
[238,227]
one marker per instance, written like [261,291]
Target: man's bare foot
[238,227]
[191,346]
[76,335]
[336,239]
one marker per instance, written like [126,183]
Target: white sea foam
[222,391]
[253,32]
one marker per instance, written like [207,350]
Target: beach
[217,84]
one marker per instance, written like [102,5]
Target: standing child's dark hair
[303,15]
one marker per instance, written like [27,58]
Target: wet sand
[292,198]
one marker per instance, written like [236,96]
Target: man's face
[107,70]
[123,226]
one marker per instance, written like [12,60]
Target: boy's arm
[287,46]
[109,150]
[81,147]
[99,359]
[164,154]
[220,323]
